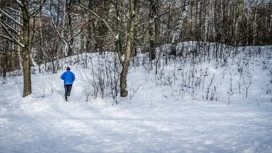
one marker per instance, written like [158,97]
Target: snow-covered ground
[224,108]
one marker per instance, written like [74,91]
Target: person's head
[68,68]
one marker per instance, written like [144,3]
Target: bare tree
[68,23]
[153,8]
[133,10]
[16,22]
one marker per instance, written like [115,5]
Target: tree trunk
[26,52]
[118,43]
[70,28]
[4,60]
[129,49]
[152,30]
[26,73]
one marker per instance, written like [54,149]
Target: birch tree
[133,11]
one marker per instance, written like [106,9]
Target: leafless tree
[16,21]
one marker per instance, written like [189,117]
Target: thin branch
[11,36]
[160,15]
[58,32]
[9,27]
[95,14]
[11,39]
[37,11]
[18,2]
[16,11]
[76,34]
[5,13]
[78,25]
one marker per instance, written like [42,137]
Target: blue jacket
[68,77]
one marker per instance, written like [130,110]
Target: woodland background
[36,32]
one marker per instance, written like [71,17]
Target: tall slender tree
[153,8]
[17,20]
[133,11]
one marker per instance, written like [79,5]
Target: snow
[161,114]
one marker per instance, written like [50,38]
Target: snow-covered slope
[206,106]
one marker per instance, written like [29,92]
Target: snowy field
[222,109]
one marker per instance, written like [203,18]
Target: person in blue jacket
[68,78]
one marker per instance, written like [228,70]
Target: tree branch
[7,15]
[58,32]
[11,37]
[18,2]
[6,26]
[95,14]
[37,10]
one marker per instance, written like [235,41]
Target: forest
[38,32]
[151,76]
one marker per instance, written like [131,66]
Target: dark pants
[68,89]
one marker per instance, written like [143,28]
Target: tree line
[42,31]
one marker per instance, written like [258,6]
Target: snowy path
[44,125]
[150,123]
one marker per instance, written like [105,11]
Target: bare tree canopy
[41,31]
